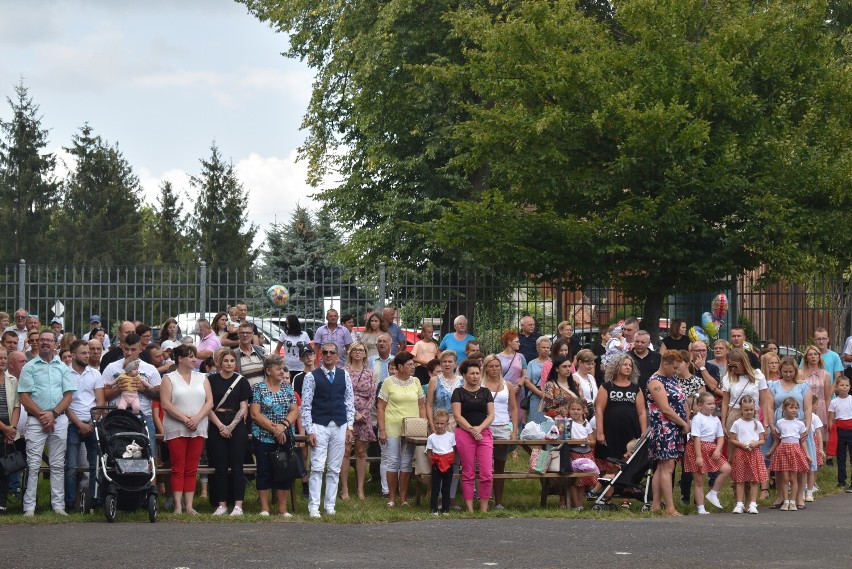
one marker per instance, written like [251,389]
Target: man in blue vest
[328,411]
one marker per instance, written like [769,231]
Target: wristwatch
[55,414]
[702,369]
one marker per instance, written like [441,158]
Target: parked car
[187,324]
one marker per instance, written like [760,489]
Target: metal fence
[492,301]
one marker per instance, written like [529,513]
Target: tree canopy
[657,145]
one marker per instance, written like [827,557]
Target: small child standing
[789,454]
[704,452]
[747,435]
[440,449]
[840,427]
[580,429]
[816,435]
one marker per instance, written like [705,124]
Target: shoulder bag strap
[230,389]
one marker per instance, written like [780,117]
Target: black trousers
[441,482]
[224,454]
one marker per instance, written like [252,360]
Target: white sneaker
[738,509]
[752,508]
[331,512]
[815,489]
[60,512]
[809,496]
[713,499]
[265,514]
[237,511]
[314,514]
[221,511]
[29,513]
[286,515]
[704,513]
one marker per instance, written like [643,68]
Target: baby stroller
[632,482]
[125,478]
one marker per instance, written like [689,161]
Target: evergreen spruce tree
[220,230]
[101,221]
[28,189]
[169,236]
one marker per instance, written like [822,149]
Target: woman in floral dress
[364,386]
[667,425]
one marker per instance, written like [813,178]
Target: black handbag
[287,464]
[12,462]
[525,401]
[565,466]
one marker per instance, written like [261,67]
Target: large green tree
[702,139]
[28,189]
[657,145]
[220,230]
[101,220]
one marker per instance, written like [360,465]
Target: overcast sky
[164,78]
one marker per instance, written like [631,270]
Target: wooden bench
[423,480]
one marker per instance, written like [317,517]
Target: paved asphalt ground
[820,536]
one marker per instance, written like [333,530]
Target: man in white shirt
[80,429]
[95,322]
[20,328]
[132,346]
[328,411]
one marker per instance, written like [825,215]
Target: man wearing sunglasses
[328,411]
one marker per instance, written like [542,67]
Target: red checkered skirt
[789,457]
[819,459]
[586,481]
[707,449]
[748,466]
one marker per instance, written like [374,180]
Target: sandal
[391,504]
[798,507]
[776,506]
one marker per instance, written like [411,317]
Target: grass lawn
[521,499]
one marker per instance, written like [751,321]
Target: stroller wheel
[110,506]
[645,508]
[152,508]
[84,501]
[599,507]
[612,507]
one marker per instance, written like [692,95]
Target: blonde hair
[745,400]
[813,348]
[703,397]
[746,369]
[441,414]
[790,361]
[488,359]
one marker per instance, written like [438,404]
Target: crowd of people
[226,401]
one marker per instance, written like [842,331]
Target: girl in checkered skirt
[747,435]
[704,452]
[789,453]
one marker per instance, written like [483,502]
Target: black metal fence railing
[492,301]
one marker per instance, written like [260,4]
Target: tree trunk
[651,314]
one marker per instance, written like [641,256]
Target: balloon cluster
[711,322]
[277,295]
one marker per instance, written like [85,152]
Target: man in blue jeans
[80,429]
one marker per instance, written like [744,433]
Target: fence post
[202,296]
[733,307]
[382,284]
[22,284]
